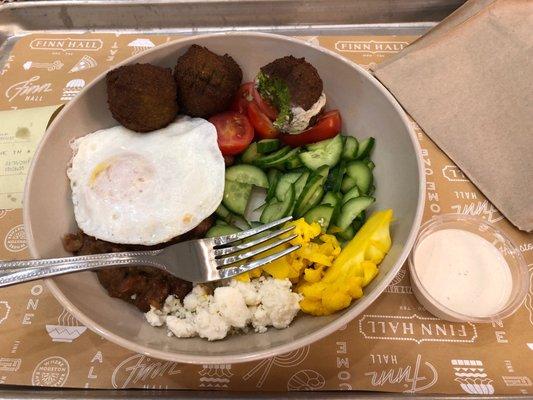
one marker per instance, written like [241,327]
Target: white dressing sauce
[463,272]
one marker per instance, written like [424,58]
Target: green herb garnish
[277,92]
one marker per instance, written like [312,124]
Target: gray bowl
[367,110]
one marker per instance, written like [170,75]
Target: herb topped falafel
[295,88]
[142,97]
[206,82]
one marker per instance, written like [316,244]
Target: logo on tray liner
[417,377]
[290,359]
[66,44]
[528,301]
[10,364]
[72,88]
[140,45]
[371,46]
[306,379]
[215,376]
[416,329]
[472,377]
[484,209]
[15,239]
[141,370]
[86,62]
[53,66]
[67,329]
[52,371]
[29,89]
[4,310]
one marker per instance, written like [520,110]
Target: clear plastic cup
[486,230]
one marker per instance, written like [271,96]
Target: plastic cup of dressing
[463,268]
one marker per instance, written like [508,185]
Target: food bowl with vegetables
[325,144]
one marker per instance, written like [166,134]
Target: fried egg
[146,188]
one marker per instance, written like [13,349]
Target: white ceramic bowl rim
[316,335]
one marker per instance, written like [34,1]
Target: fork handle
[13,272]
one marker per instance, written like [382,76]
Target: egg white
[146,188]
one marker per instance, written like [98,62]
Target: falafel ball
[302,79]
[142,97]
[207,82]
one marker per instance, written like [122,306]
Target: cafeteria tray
[294,17]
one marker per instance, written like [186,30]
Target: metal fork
[197,261]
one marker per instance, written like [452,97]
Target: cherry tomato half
[327,126]
[262,125]
[247,93]
[234,132]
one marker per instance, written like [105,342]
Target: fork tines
[222,250]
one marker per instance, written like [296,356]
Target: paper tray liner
[395,346]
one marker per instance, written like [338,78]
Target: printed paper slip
[20,132]
[394,346]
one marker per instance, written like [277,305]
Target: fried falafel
[206,82]
[304,83]
[142,97]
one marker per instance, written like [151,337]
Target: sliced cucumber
[349,152]
[222,212]
[359,171]
[278,209]
[249,174]
[300,184]
[221,230]
[293,162]
[250,154]
[285,182]
[273,176]
[347,234]
[265,161]
[327,152]
[351,194]
[238,222]
[348,183]
[321,214]
[334,181]
[370,164]
[331,198]
[277,163]
[311,194]
[359,221]
[268,145]
[365,147]
[220,222]
[236,196]
[351,209]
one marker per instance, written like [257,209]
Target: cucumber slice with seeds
[249,174]
[327,152]
[236,196]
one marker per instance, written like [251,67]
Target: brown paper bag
[469,85]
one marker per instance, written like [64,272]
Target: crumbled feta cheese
[301,118]
[154,317]
[260,303]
